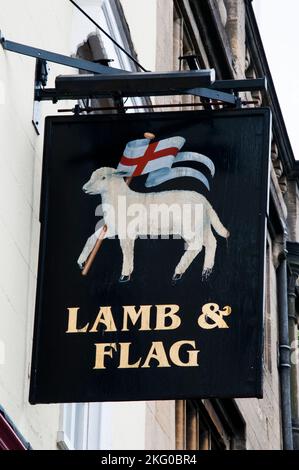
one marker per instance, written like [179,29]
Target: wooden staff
[96,248]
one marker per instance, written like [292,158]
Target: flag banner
[152,249]
[156,159]
[166,174]
[141,157]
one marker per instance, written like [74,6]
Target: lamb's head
[101,179]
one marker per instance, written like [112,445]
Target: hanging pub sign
[151,268]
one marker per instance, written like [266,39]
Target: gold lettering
[211,317]
[101,353]
[174,353]
[162,314]
[158,353]
[105,317]
[124,357]
[72,323]
[143,312]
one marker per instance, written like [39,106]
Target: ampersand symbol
[211,317]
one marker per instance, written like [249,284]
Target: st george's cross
[142,157]
[156,159]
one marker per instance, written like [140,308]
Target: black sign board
[172,305]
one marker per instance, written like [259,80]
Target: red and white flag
[142,157]
[156,159]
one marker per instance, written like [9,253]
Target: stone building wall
[262,417]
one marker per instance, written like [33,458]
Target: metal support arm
[116,83]
[73,62]
[213,94]
[246,84]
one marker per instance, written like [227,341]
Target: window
[112,20]
[209,425]
[89,43]
[187,42]
[182,43]
[80,426]
[182,46]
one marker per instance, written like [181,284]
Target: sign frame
[149,119]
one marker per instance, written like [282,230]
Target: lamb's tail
[216,224]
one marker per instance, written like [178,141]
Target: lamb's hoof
[206,274]
[176,278]
[124,279]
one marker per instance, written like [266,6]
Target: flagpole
[96,248]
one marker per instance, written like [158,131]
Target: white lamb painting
[109,183]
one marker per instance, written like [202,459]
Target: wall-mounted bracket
[197,83]
[212,94]
[41,73]
[41,78]
[73,62]
[111,82]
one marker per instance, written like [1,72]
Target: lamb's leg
[210,243]
[127,247]
[190,254]
[89,245]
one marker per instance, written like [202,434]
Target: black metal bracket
[135,84]
[111,82]
[192,61]
[216,95]
[41,79]
[152,84]
[41,73]
[48,56]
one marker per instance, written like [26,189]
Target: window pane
[67,410]
[80,426]
[94,426]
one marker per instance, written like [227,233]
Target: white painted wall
[55,26]
[123,426]
[141,16]
[46,26]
